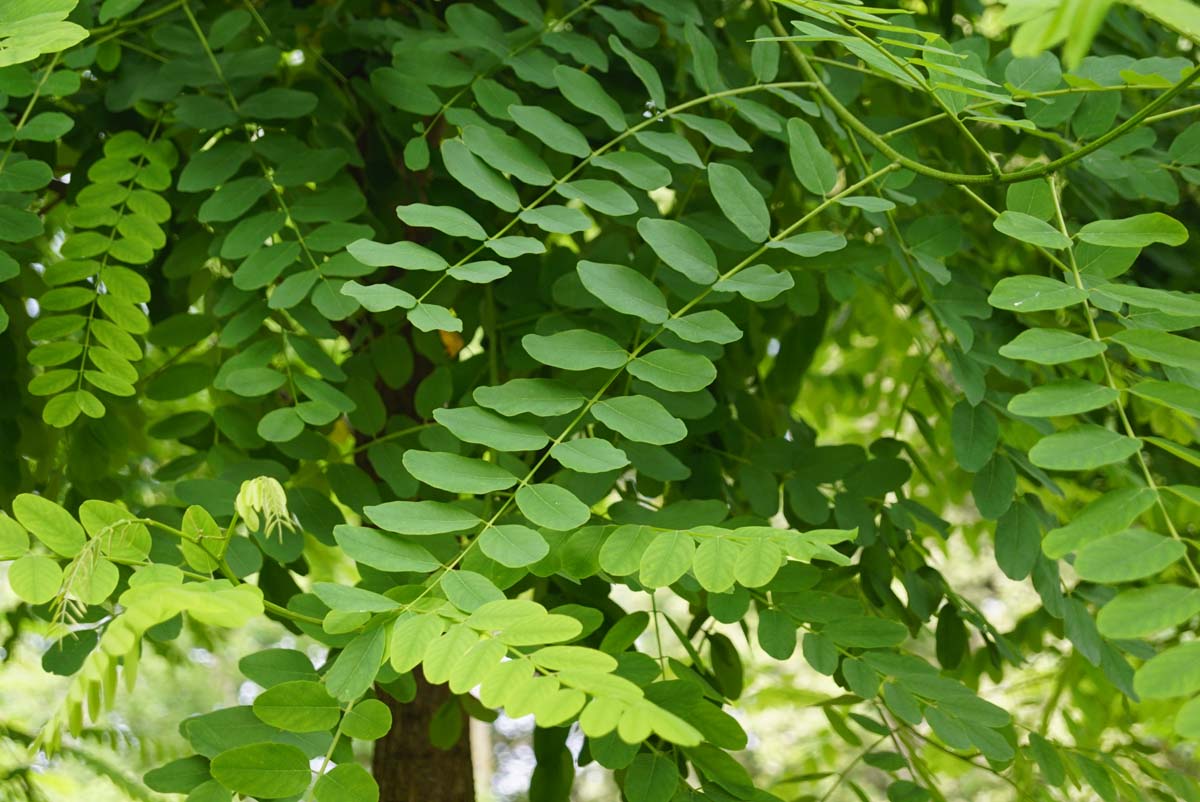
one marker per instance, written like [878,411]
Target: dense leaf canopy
[571,355]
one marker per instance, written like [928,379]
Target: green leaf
[1028,228]
[1034,294]
[280,425]
[14,542]
[1135,232]
[378,550]
[1069,397]
[643,69]
[605,197]
[507,154]
[758,563]
[468,591]
[477,177]
[739,201]
[513,545]
[974,434]
[344,598]
[266,771]
[1169,303]
[446,219]
[457,474]
[589,455]
[708,326]
[813,165]
[552,507]
[1082,448]
[1142,612]
[672,145]
[681,248]
[865,633]
[667,557]
[1169,394]
[714,565]
[557,219]
[1051,347]
[368,720]
[298,706]
[718,132]
[674,370]
[757,282]
[431,317]
[651,778]
[1174,672]
[49,523]
[1018,541]
[640,418]
[1111,512]
[1161,347]
[484,271]
[35,579]
[278,103]
[550,129]
[272,667]
[421,517]
[1126,556]
[585,93]
[636,168]
[408,255]
[354,670]
[410,638]
[811,243]
[543,398]
[624,290]
[378,297]
[575,349]
[478,425]
[622,552]
[347,782]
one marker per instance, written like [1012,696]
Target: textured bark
[410,769]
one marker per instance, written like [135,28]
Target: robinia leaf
[1082,448]
[739,201]
[1135,232]
[265,771]
[624,290]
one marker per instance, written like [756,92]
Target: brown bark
[407,767]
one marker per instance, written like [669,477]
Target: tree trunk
[407,767]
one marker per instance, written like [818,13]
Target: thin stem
[37,92]
[841,775]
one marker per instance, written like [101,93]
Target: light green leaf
[589,455]
[1028,228]
[1169,394]
[813,165]
[513,545]
[410,638]
[640,418]
[1169,303]
[1069,397]
[457,474]
[667,557]
[478,425]
[739,201]
[35,579]
[758,563]
[1126,556]
[49,523]
[1112,512]
[421,517]
[446,219]
[543,398]
[386,552]
[368,720]
[622,552]
[468,591]
[483,271]
[674,370]
[14,542]
[552,507]
[1142,612]
[585,92]
[298,706]
[1082,448]
[344,598]
[1174,672]
[1161,347]
[681,248]
[714,563]
[1051,347]
[1034,294]
[575,349]
[265,771]
[1135,232]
